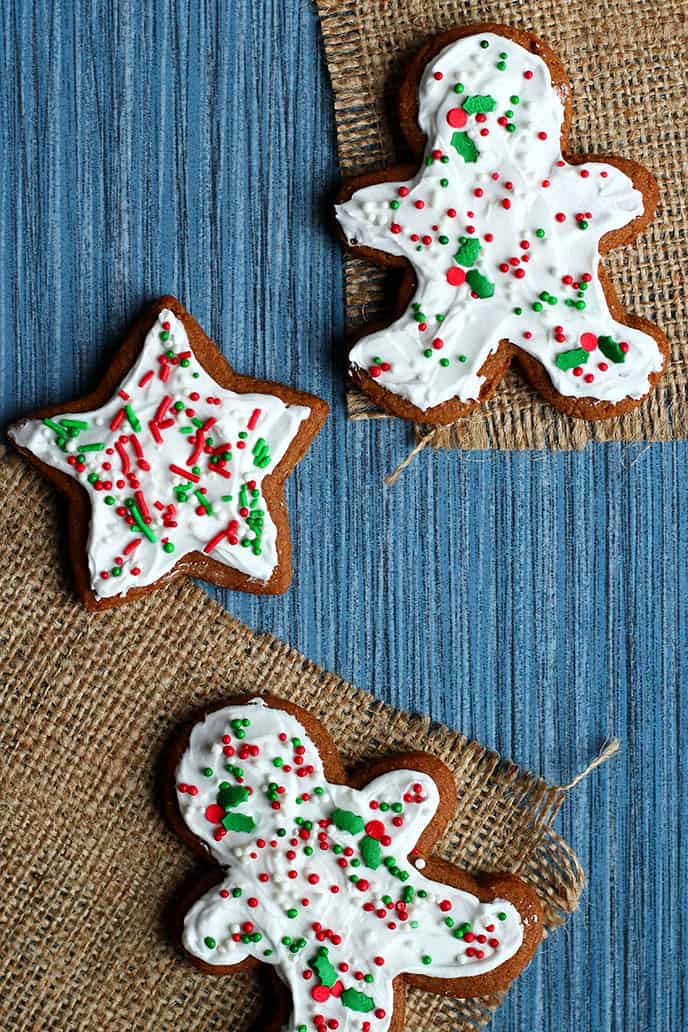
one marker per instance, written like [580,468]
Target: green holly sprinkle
[345,820]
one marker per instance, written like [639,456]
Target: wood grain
[536,601]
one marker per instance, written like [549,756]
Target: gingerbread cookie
[500,233]
[330,881]
[174,465]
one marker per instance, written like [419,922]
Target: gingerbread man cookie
[500,233]
[174,465]
[331,882]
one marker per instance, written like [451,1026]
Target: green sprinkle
[371,852]
[357,1001]
[458,88]
[444,362]
[518,311]
[539,233]
[501,65]
[210,942]
[479,105]
[510,128]
[514,99]
[566,360]
[394,205]
[168,547]
[484,44]
[207,772]
[462,358]
[204,501]
[109,500]
[480,284]
[501,916]
[292,912]
[443,239]
[133,418]
[426,959]
[611,349]
[323,967]
[464,147]
[345,820]
[238,822]
[467,254]
[444,182]
[231,796]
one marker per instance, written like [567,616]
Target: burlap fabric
[89,866]
[628,74]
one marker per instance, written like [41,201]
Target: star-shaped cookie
[499,233]
[174,465]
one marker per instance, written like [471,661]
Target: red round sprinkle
[560,217]
[375,829]
[457,118]
[456,276]
[588,341]
[214,813]
[395,227]
[542,135]
[528,75]
[506,203]
[603,367]
[438,76]
[578,371]
[419,204]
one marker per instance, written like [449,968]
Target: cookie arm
[218,930]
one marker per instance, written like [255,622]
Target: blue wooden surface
[536,601]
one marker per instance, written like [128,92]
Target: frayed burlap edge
[88,701]
[367,43]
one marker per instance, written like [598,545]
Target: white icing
[247,855]
[276,424]
[473,327]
